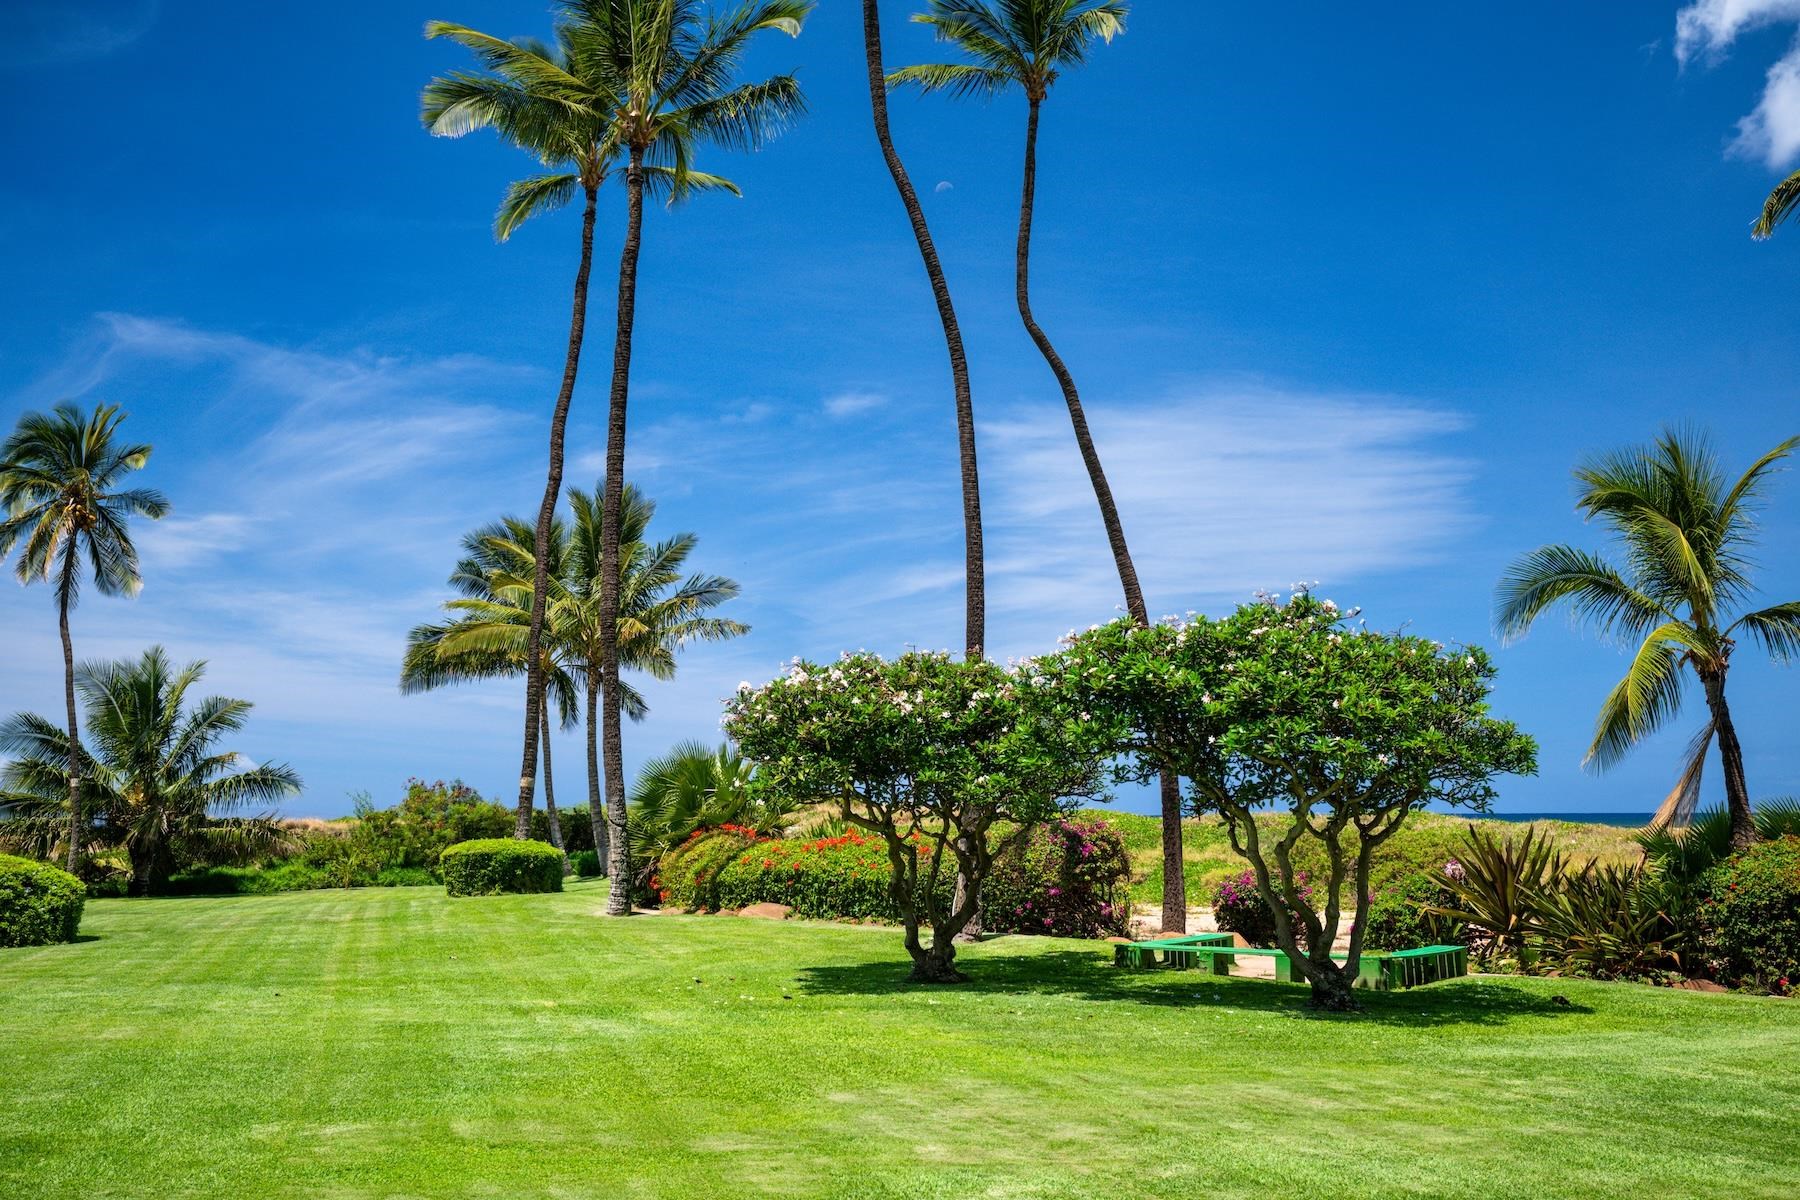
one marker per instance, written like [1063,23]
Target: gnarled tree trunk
[540,586]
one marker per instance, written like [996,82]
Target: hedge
[1066,879]
[494,865]
[39,904]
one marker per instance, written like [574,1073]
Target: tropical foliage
[1687,532]
[661,610]
[62,497]
[161,791]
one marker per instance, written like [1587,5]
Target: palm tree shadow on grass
[1087,976]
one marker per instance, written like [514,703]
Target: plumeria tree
[1295,709]
[937,757]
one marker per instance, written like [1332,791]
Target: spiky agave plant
[1501,887]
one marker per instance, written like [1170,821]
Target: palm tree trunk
[68,649]
[1174,892]
[556,838]
[540,586]
[596,808]
[618,900]
[974,574]
[1731,759]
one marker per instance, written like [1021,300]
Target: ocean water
[1625,820]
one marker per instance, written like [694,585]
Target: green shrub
[39,904]
[1749,915]
[843,878]
[1400,916]
[687,877]
[586,864]
[1239,908]
[493,865]
[429,818]
[1067,879]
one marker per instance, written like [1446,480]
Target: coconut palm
[159,788]
[60,493]
[1027,45]
[660,611]
[1686,531]
[974,569]
[1778,207]
[673,66]
[556,102]
[489,635]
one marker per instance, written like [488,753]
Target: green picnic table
[1382,970]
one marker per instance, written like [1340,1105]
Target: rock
[768,912]
[1701,985]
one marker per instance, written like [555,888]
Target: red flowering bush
[1068,879]
[688,876]
[1749,916]
[834,878]
[1239,908]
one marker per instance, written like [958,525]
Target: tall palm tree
[1778,207]
[1028,45]
[159,785]
[660,611]
[673,66]
[1686,531]
[974,569]
[60,476]
[489,635]
[556,102]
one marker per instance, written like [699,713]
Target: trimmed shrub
[39,904]
[1399,916]
[1749,915]
[586,863]
[837,878]
[1067,879]
[494,865]
[574,824]
[687,877]
[1239,908]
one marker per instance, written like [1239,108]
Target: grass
[394,1043]
[1425,841]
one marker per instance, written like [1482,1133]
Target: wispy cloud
[52,32]
[850,404]
[1706,30]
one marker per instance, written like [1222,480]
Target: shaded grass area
[1426,841]
[392,1042]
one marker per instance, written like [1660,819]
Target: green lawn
[393,1043]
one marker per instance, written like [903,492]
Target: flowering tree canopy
[932,754]
[1291,706]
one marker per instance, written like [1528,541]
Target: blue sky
[1347,296]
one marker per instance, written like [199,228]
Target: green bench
[1382,970]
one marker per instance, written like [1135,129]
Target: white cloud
[850,404]
[176,543]
[1706,29]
